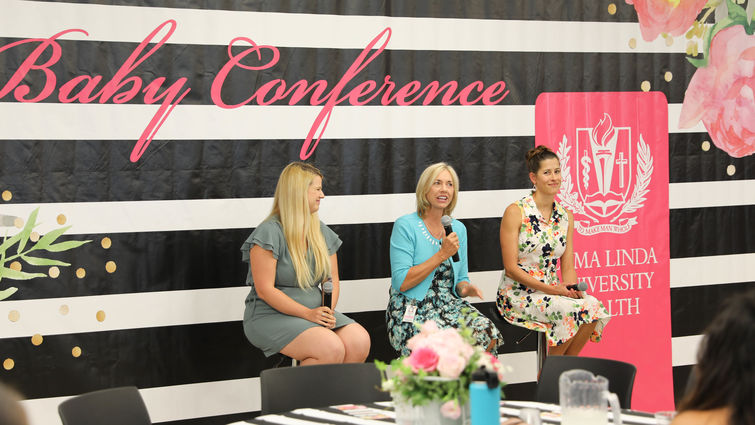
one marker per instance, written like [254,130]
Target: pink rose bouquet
[439,368]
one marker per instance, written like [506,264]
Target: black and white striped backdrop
[168,318]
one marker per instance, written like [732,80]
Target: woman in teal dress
[290,254]
[426,284]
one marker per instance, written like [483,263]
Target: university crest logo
[606,172]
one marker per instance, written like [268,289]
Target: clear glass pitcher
[583,398]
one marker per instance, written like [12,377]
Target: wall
[155,299]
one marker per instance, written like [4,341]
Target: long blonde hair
[300,227]
[427,179]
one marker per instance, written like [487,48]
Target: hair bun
[536,151]
[537,154]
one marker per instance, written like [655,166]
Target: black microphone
[581,286]
[446,222]
[327,294]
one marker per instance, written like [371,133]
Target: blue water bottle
[484,397]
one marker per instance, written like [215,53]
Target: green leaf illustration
[18,275]
[698,63]
[736,16]
[7,292]
[736,12]
[26,231]
[65,246]
[49,238]
[45,243]
[8,242]
[37,261]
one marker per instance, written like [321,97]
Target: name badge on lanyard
[411,311]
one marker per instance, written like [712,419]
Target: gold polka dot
[76,351]
[668,76]
[110,266]
[18,222]
[106,242]
[611,9]
[36,339]
[100,316]
[14,315]
[7,196]
[706,146]
[63,310]
[61,219]
[645,86]
[54,272]
[34,236]
[15,266]
[669,40]
[731,169]
[632,43]
[8,364]
[80,272]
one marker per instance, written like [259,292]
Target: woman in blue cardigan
[426,284]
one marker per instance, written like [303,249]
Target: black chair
[542,341]
[620,376]
[288,388]
[114,406]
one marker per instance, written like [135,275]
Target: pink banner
[614,166]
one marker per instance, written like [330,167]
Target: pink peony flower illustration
[451,409]
[666,16]
[423,358]
[721,94]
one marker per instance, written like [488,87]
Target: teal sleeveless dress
[265,327]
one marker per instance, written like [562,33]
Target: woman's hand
[465,289]
[322,316]
[562,289]
[449,245]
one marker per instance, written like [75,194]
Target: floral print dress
[444,307]
[541,244]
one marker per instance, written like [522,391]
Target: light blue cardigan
[412,244]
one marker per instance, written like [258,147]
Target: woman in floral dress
[536,232]
[426,284]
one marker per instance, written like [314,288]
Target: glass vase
[430,414]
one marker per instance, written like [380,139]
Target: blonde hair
[301,228]
[427,179]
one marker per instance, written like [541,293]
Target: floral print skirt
[558,316]
[441,305]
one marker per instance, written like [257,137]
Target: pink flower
[423,338]
[721,94]
[451,366]
[429,327]
[450,409]
[423,358]
[666,16]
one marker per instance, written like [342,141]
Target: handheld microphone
[327,294]
[581,286]
[446,222]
